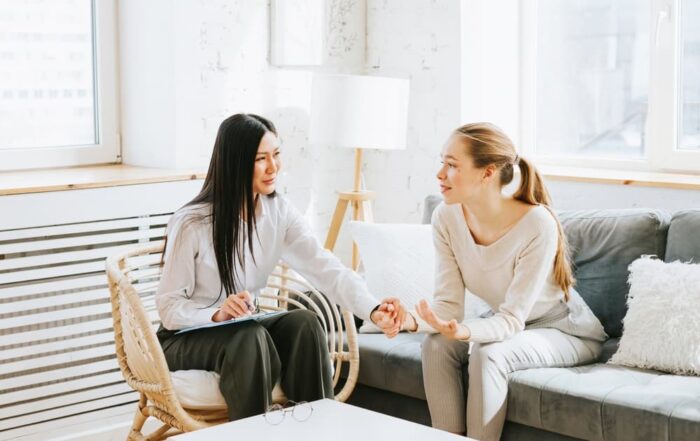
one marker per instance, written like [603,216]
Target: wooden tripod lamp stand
[359,112]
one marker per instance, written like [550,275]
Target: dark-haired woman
[221,248]
[511,252]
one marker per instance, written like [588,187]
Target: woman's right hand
[450,329]
[237,305]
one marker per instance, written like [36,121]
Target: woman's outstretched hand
[390,316]
[450,329]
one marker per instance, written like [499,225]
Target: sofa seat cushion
[393,365]
[606,402]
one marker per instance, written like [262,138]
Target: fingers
[387,325]
[427,314]
[235,306]
[424,310]
[248,299]
[245,296]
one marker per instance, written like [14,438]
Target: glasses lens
[302,411]
[274,414]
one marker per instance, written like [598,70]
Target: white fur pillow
[399,261]
[661,328]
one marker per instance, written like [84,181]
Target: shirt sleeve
[448,297]
[532,268]
[174,302]
[321,268]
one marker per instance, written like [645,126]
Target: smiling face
[267,165]
[459,179]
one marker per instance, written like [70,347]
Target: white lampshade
[359,111]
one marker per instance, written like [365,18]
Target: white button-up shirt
[190,290]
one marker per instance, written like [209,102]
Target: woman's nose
[441,173]
[272,166]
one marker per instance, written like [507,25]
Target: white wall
[186,65]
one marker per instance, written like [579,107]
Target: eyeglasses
[300,411]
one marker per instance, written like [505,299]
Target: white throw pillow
[661,328]
[399,261]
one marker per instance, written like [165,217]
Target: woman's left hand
[450,329]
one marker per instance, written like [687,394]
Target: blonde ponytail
[488,145]
[532,191]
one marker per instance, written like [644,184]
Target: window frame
[108,148]
[663,117]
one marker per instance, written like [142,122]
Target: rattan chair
[133,279]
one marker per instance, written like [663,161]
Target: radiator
[56,340]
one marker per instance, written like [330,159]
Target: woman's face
[459,179]
[267,164]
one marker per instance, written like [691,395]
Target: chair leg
[162,433]
[139,419]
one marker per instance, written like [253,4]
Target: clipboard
[257,317]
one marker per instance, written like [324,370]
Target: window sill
[621,177]
[75,178]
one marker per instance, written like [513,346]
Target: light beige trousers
[482,411]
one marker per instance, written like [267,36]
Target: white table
[331,420]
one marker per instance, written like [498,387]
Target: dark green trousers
[252,356]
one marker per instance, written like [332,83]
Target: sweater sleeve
[322,269]
[448,297]
[174,301]
[532,268]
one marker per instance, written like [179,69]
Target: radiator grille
[56,340]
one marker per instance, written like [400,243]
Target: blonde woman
[511,252]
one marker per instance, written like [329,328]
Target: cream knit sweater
[514,275]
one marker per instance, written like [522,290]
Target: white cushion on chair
[199,390]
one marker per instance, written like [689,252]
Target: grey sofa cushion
[684,237]
[393,364]
[606,402]
[603,244]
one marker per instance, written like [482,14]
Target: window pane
[592,77]
[690,75]
[46,74]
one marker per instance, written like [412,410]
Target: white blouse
[190,290]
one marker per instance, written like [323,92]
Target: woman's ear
[489,172]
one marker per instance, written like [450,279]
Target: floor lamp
[360,112]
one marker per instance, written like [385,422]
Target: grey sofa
[593,402]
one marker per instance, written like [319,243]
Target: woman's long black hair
[228,190]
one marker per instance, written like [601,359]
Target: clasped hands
[391,317]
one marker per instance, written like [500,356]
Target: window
[598,83]
[690,76]
[57,83]
[592,78]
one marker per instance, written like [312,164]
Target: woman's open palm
[450,329]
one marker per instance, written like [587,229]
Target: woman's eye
[262,158]
[277,153]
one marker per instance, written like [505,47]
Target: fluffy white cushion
[399,261]
[661,327]
[199,390]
